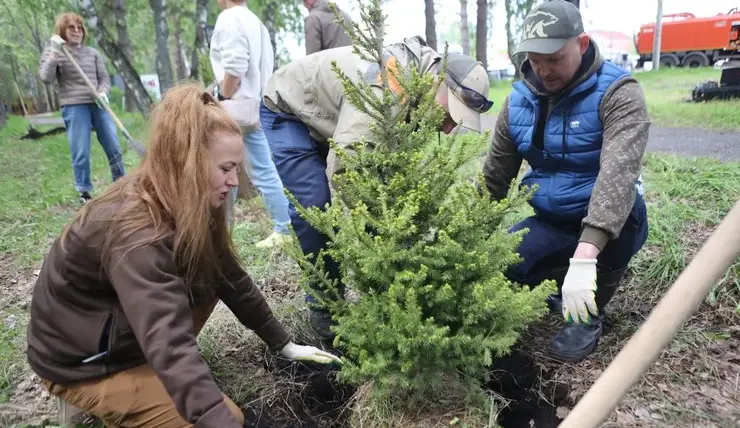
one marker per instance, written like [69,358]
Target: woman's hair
[169,193]
[65,20]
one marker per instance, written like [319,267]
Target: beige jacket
[310,90]
[322,32]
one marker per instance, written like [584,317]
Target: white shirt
[238,43]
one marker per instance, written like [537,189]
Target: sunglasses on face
[470,97]
[74,28]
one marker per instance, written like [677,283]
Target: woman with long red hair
[131,281]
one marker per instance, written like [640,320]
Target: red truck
[690,41]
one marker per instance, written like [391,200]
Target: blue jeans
[80,119]
[547,245]
[301,163]
[261,170]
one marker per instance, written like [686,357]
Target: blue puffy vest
[566,170]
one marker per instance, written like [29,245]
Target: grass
[10,335]
[37,194]
[686,200]
[667,93]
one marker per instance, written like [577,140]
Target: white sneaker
[274,240]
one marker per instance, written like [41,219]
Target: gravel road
[723,145]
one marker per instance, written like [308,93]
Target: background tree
[110,47]
[431,24]
[281,17]
[516,11]
[481,33]
[124,42]
[200,47]
[162,33]
[464,27]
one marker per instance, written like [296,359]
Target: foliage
[423,247]
[26,25]
[281,17]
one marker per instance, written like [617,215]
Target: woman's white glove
[104,98]
[579,288]
[312,354]
[56,43]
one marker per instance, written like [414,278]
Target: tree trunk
[129,75]
[510,37]
[200,46]
[464,27]
[270,24]
[481,33]
[181,54]
[516,11]
[431,26]
[162,34]
[119,7]
[45,97]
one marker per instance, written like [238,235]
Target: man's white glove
[56,43]
[579,287]
[296,352]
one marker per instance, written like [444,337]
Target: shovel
[138,147]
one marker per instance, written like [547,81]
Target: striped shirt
[72,87]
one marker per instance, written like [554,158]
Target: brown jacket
[137,309]
[321,30]
[72,87]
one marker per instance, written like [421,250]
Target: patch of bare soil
[274,392]
[695,382]
[15,285]
[29,402]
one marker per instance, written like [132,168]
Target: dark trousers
[301,164]
[549,246]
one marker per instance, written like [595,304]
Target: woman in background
[80,110]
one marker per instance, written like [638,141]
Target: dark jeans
[301,164]
[547,246]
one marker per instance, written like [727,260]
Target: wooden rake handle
[138,147]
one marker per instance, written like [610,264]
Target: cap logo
[536,28]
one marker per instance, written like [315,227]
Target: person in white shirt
[242,60]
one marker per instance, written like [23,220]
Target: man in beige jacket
[320,29]
[304,105]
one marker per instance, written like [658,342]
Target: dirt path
[723,145]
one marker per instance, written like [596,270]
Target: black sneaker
[85,197]
[320,322]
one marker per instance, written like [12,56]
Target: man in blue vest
[582,125]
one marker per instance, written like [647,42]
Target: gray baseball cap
[548,27]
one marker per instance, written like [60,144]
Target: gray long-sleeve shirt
[72,87]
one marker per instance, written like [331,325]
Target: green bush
[422,246]
[115,97]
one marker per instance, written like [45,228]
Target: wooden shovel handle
[101,102]
[674,309]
